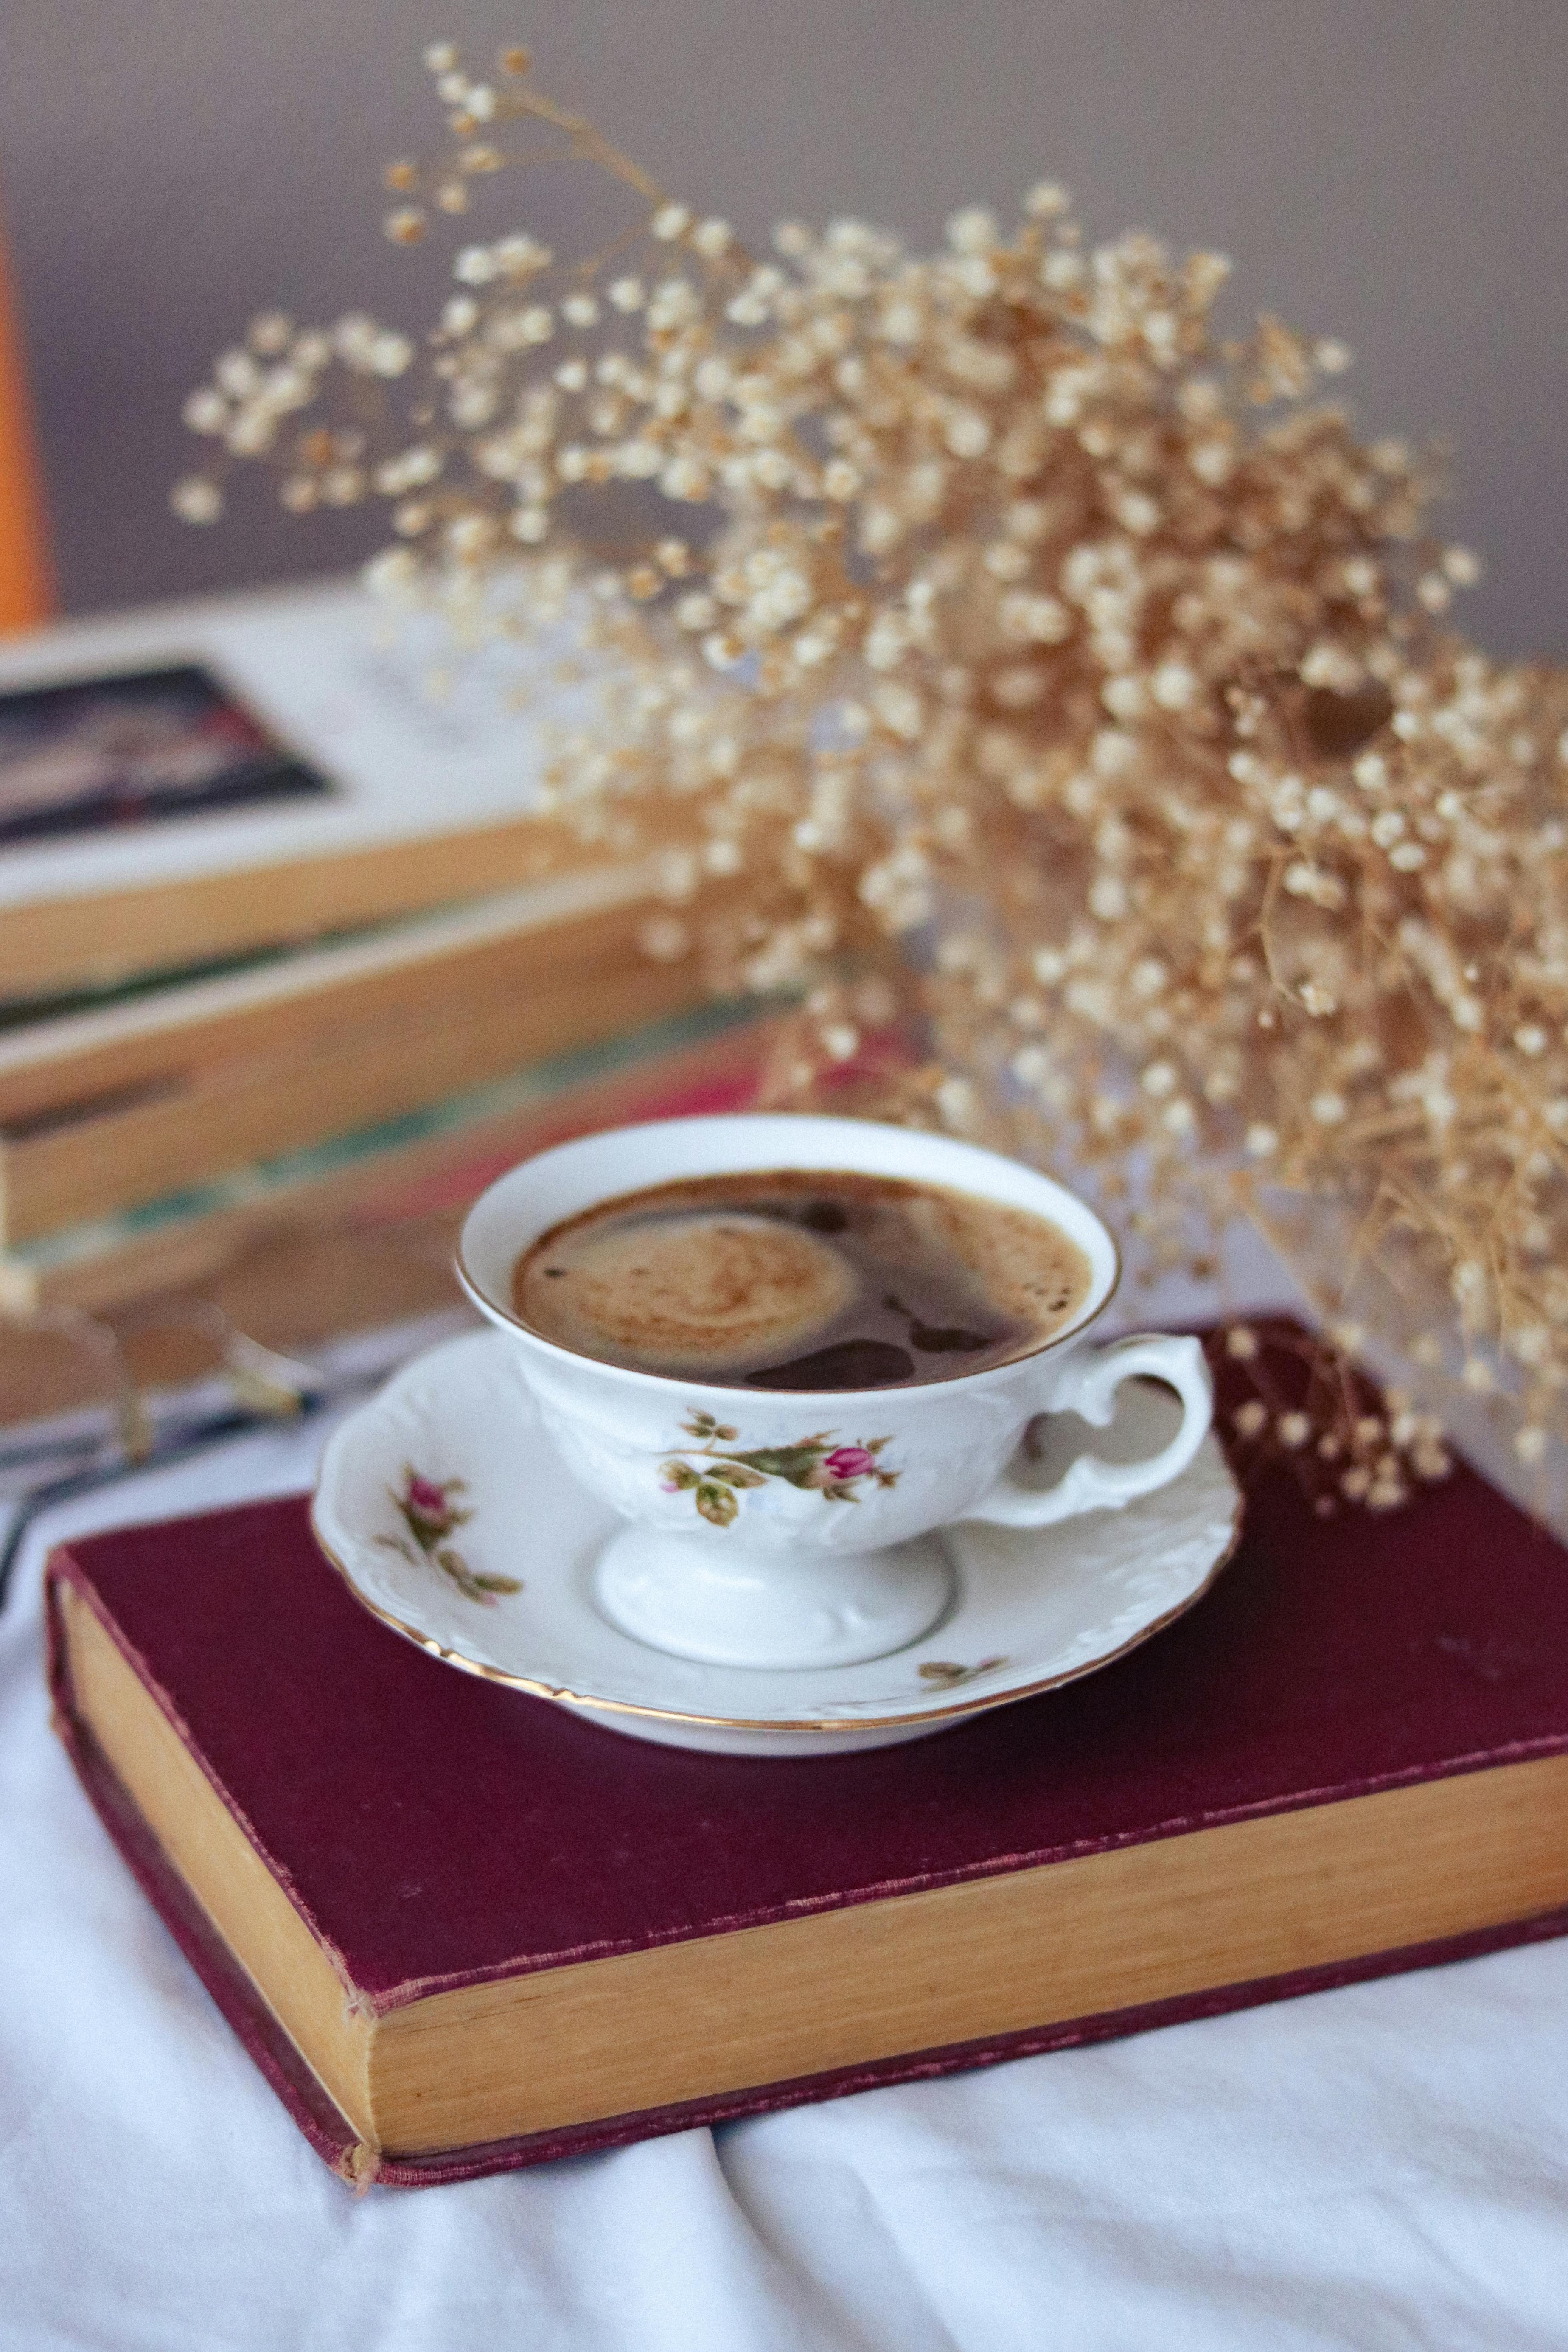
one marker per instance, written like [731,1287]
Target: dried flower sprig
[998,609]
[1293,1397]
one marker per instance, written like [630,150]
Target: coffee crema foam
[707,1287]
[801,1279]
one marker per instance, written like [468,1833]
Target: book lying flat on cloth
[460,1930]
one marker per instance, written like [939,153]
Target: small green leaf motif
[946,1675]
[470,1583]
[794,1463]
[716,1502]
[702,1425]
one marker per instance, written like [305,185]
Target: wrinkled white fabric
[1385,2166]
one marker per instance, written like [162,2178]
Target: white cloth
[1385,2166]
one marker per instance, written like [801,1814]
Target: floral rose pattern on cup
[430,1516]
[816,1464]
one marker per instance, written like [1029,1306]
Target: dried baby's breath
[1006,625]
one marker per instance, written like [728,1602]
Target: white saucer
[487,1560]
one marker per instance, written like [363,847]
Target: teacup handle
[1088,1387]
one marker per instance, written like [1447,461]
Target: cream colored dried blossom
[997,603]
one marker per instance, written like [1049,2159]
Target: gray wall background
[1388,171]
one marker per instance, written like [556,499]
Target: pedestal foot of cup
[725,1607]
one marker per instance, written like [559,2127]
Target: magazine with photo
[192,784]
[91,754]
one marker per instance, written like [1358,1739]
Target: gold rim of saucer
[819,1726]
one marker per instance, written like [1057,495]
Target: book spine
[328,2130]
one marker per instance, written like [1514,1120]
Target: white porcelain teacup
[771,1570]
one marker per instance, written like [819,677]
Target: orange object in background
[26,577]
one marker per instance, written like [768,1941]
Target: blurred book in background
[118,1107]
[283,939]
[364,779]
[428,1161]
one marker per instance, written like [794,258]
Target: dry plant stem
[1293,1397]
[1007,637]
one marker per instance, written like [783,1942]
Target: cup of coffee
[790,1351]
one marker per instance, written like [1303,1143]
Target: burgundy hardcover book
[460,1930]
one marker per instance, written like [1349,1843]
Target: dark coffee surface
[801,1279]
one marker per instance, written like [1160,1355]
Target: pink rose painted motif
[428,1501]
[849,1461]
[429,1513]
[718,1477]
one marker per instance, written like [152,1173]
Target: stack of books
[281,939]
